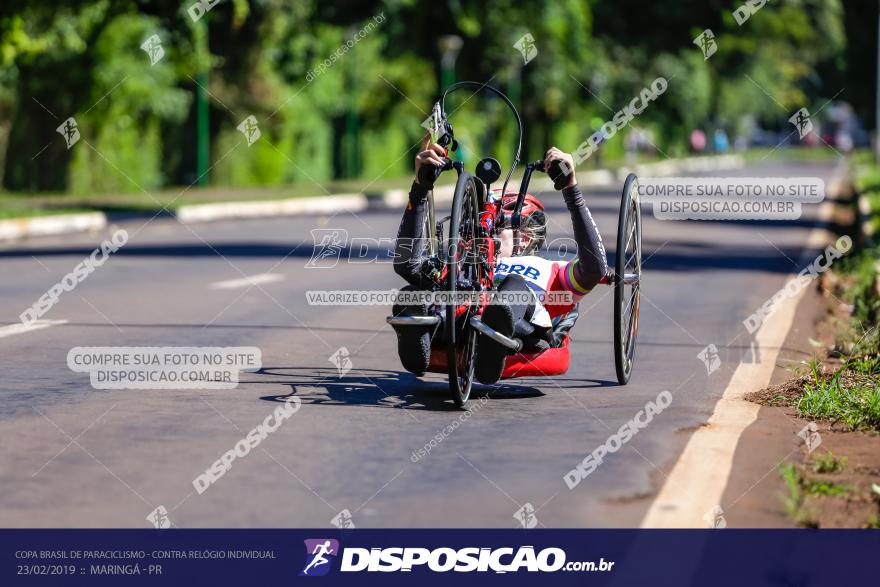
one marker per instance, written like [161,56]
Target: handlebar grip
[428,174]
[559,174]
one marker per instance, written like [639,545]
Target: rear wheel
[462,258]
[627,279]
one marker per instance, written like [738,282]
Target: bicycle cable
[499,93]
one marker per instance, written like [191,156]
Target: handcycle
[465,264]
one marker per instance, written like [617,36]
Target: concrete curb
[264,208]
[21,228]
[686,165]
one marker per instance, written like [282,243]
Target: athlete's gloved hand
[430,156]
[566,167]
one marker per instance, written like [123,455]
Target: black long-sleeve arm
[592,262]
[409,248]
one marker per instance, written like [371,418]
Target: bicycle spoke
[629,345]
[631,232]
[629,240]
[631,303]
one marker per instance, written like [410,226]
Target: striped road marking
[248,281]
[20,328]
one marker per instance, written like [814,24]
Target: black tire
[628,261]
[461,339]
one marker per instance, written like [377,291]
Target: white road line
[251,281]
[700,476]
[20,328]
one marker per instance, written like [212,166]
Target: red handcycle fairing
[553,361]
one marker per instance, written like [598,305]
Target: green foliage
[862,340]
[851,395]
[828,463]
[814,487]
[359,117]
[793,501]
[128,102]
[799,487]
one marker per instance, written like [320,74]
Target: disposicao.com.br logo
[443,559]
[319,555]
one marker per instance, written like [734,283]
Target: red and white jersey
[542,276]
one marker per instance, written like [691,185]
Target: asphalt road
[79,457]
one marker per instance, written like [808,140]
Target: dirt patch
[843,497]
[631,497]
[786,393]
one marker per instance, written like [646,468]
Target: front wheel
[627,279]
[463,274]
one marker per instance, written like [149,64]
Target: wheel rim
[632,265]
[463,268]
[628,270]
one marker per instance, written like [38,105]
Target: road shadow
[298,249]
[378,388]
[569,384]
[693,258]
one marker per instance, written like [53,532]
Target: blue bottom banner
[437,557]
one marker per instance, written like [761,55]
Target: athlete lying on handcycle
[538,325]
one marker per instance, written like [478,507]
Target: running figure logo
[328,247]
[714,518]
[249,129]
[710,358]
[810,435]
[153,47]
[526,45]
[343,520]
[706,43]
[70,131]
[801,121]
[526,516]
[317,552]
[340,358]
[159,518]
